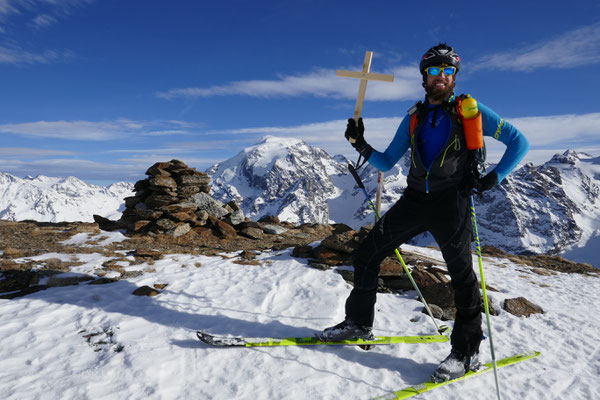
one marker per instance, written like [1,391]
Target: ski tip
[436,383]
[206,337]
[531,354]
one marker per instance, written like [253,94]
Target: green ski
[427,386]
[226,341]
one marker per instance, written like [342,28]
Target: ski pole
[440,329]
[485,298]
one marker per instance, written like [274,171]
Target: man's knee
[366,272]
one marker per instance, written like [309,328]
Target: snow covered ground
[102,342]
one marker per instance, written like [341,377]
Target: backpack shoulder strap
[414,116]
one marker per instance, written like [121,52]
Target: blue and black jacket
[440,158]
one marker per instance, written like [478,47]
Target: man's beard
[438,94]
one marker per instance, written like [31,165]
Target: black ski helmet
[440,54]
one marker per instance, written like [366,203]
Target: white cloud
[52,8]
[43,21]
[547,135]
[26,152]
[574,48]
[564,130]
[166,132]
[205,146]
[142,162]
[94,131]
[83,169]
[71,130]
[129,168]
[328,135]
[16,55]
[37,14]
[321,83]
[7,7]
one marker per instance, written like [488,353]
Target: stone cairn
[173,200]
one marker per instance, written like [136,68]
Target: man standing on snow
[436,199]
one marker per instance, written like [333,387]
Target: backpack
[472,128]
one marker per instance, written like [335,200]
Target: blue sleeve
[516,143]
[401,142]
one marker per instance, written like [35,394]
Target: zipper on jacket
[413,150]
[456,144]
[425,168]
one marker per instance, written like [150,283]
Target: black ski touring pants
[446,215]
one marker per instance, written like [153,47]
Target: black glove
[480,185]
[355,135]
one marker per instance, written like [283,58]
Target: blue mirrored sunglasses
[434,71]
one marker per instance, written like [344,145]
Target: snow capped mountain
[300,184]
[546,209]
[49,199]
[552,208]
[283,177]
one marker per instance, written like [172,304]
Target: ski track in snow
[101,342]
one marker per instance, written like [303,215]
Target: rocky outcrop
[174,200]
[146,291]
[521,307]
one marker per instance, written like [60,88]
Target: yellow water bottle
[469,107]
[472,126]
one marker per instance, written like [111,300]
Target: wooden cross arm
[365,75]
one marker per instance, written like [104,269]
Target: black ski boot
[346,330]
[455,366]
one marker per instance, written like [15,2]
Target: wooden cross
[364,76]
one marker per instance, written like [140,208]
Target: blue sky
[102,89]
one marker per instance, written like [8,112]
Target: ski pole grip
[355,175]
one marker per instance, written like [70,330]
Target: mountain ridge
[54,199]
[549,209]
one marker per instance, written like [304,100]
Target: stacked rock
[173,200]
